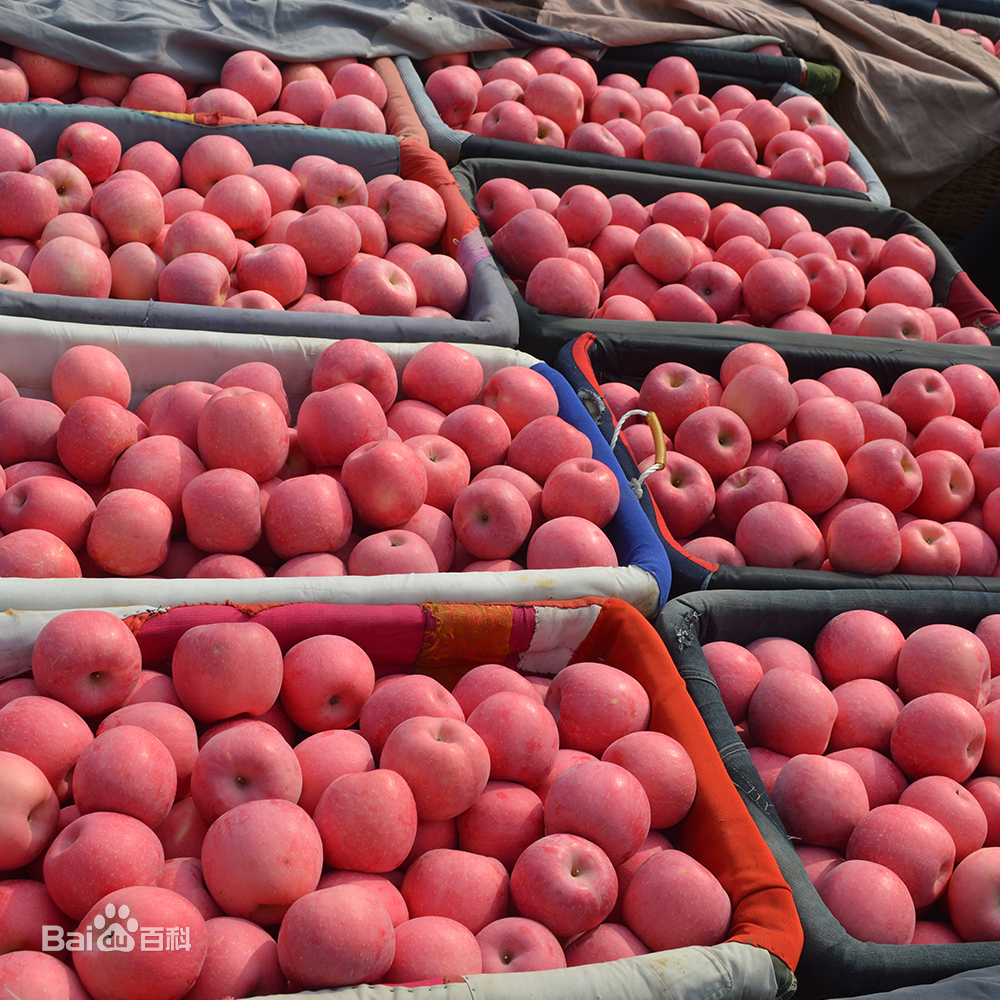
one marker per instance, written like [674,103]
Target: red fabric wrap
[969,304]
[718,831]
[401,116]
[420,162]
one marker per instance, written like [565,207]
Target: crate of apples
[339,93]
[610,250]
[343,468]
[654,115]
[870,761]
[312,797]
[120,216]
[906,457]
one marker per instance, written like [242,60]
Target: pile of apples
[213,479]
[826,473]
[881,754]
[552,98]
[586,254]
[333,93]
[213,228]
[257,822]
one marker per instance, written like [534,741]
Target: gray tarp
[190,39]
[921,102]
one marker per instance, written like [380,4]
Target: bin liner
[593,359]
[543,334]
[29,350]
[833,963]
[456,145]
[489,317]
[445,640]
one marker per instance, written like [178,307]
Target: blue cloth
[630,530]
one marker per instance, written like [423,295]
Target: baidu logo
[116,930]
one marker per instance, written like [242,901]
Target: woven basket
[954,209]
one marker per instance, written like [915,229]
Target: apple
[431,947]
[564,882]
[401,479]
[909,842]
[288,859]
[470,888]
[705,918]
[325,681]
[958,746]
[245,763]
[453,93]
[774,287]
[209,669]
[807,809]
[36,553]
[927,547]
[13,82]
[563,287]
[715,437]
[126,769]
[29,203]
[358,932]
[778,534]
[443,760]
[413,212]
[529,237]
[194,278]
[499,199]
[395,550]
[88,659]
[870,901]
[221,511]
[81,867]
[521,736]
[517,944]
[502,822]
[969,898]
[558,97]
[594,704]
[30,811]
[511,120]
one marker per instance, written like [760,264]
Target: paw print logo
[115,935]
